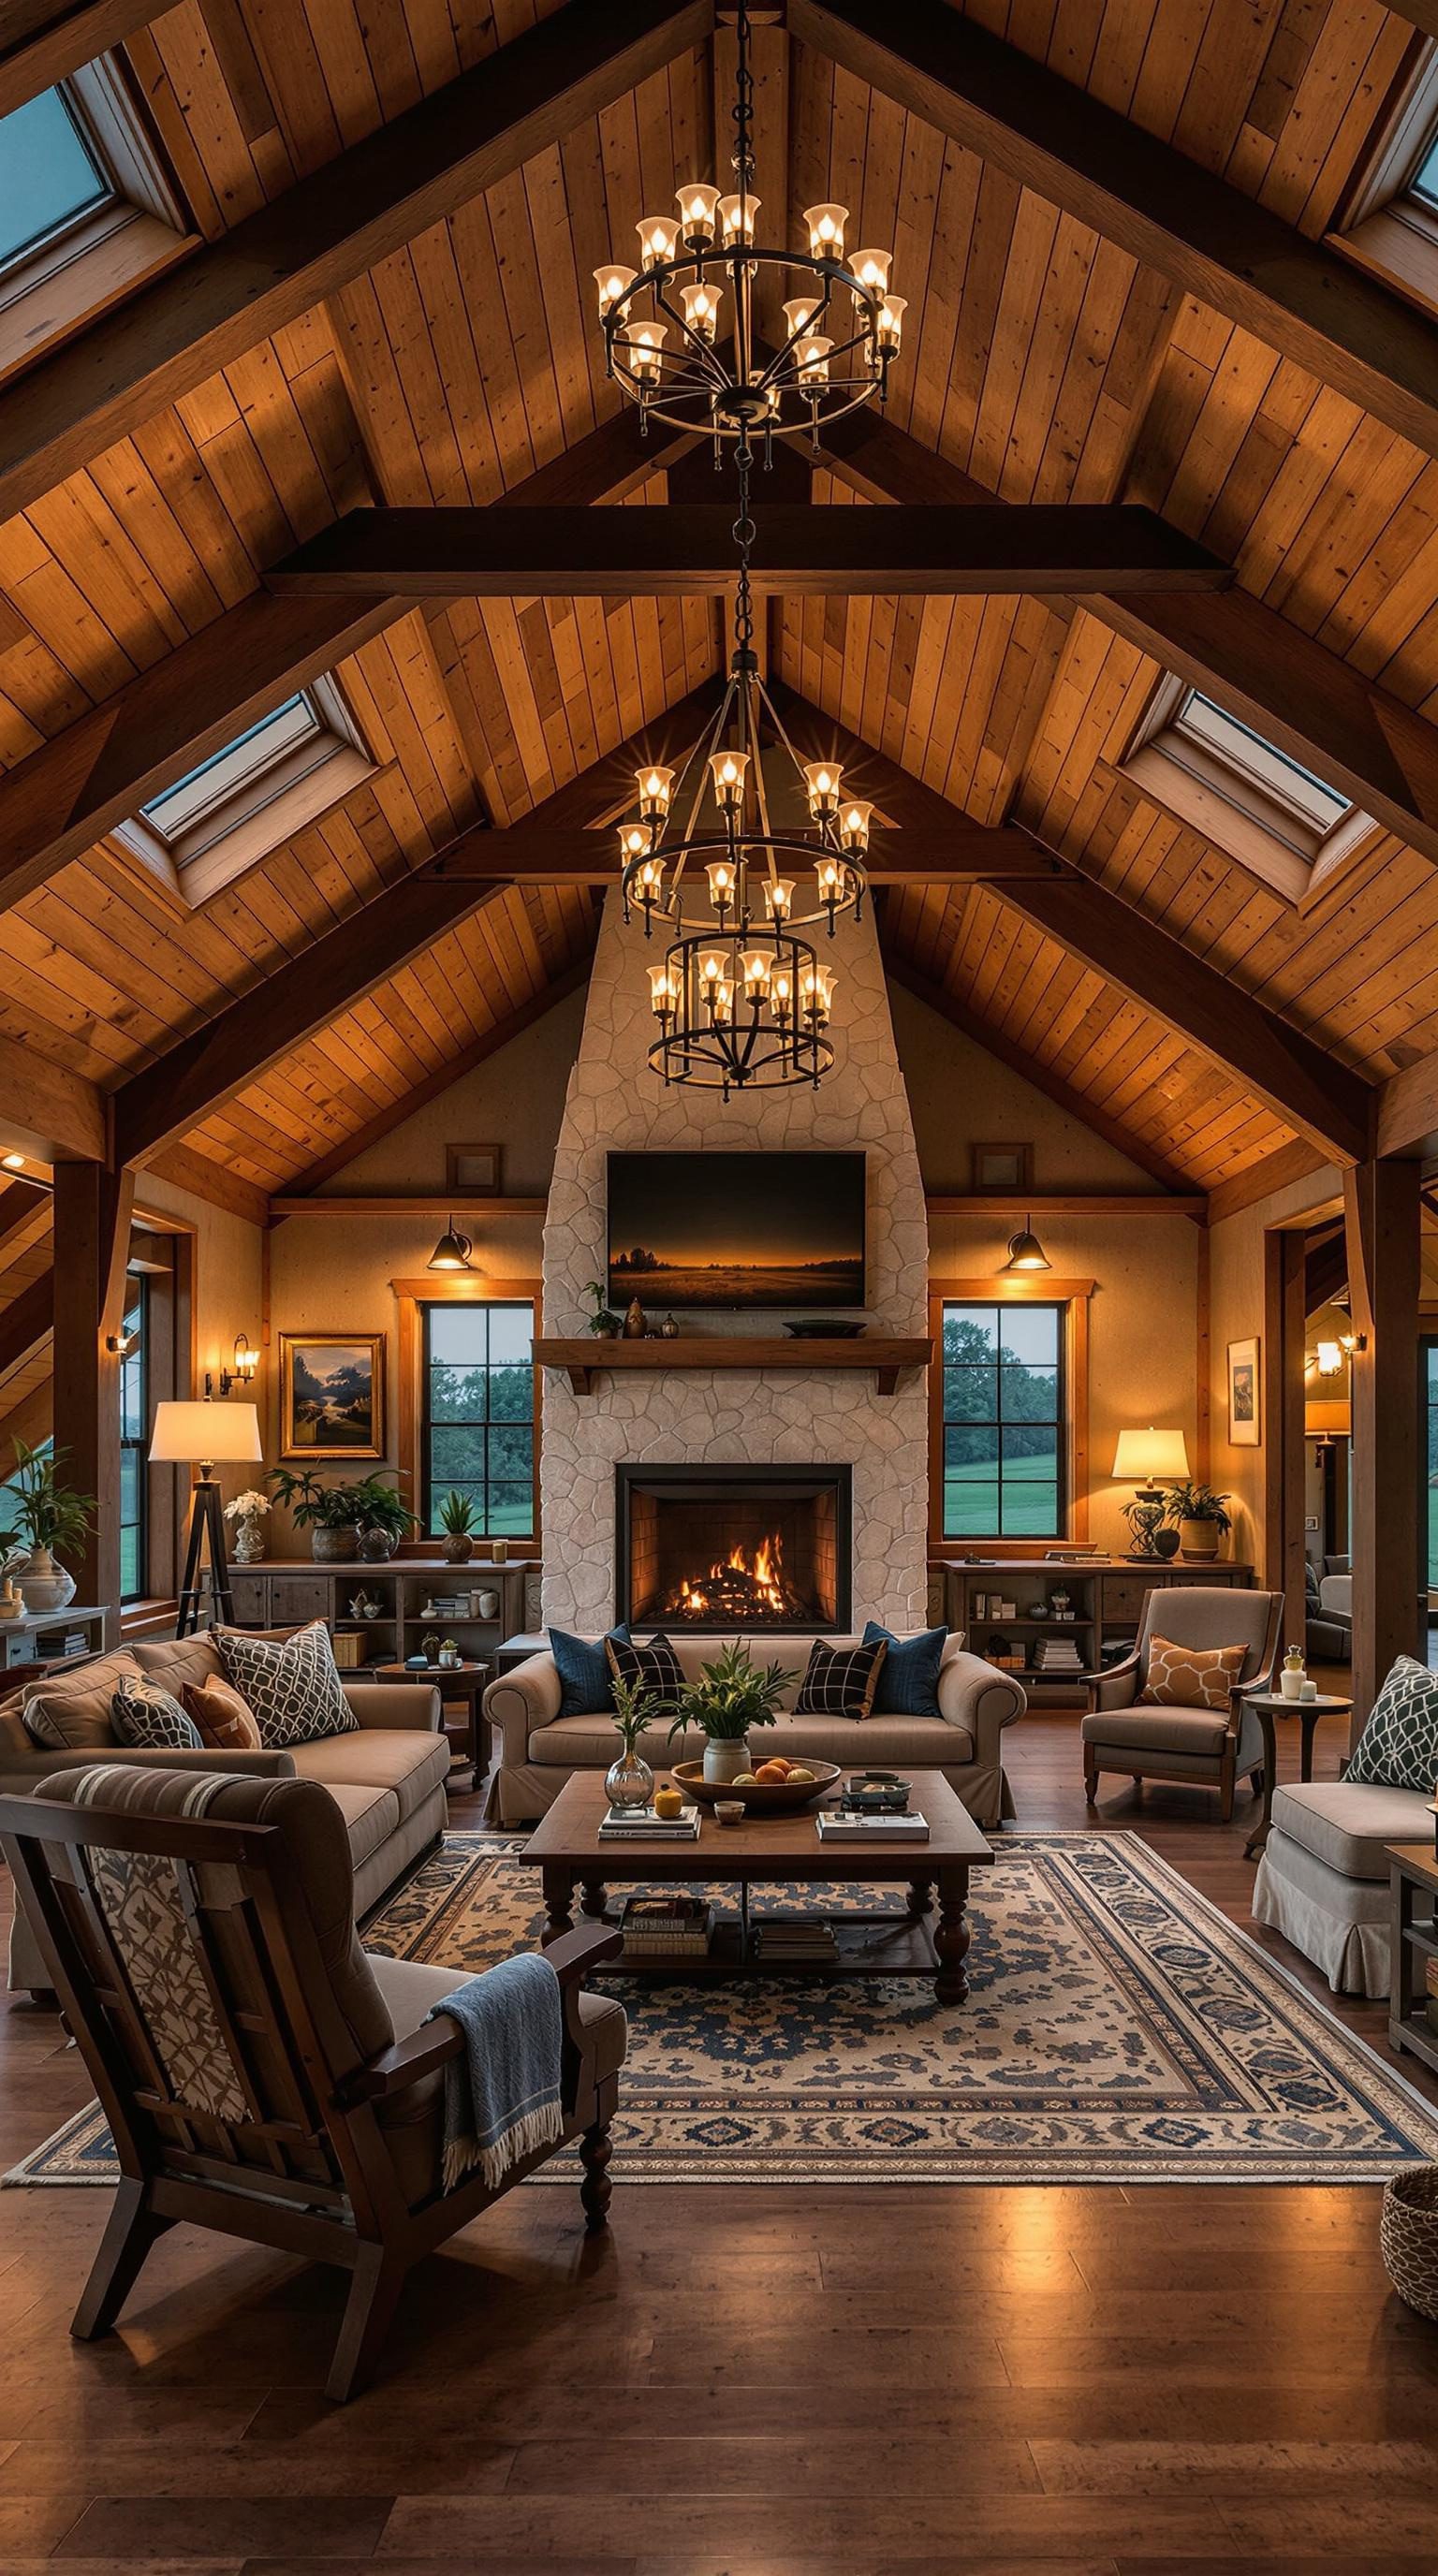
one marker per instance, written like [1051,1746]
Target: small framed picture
[1245,1426]
[332,1395]
[1002,1168]
[474,1171]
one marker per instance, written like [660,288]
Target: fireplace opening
[726,1548]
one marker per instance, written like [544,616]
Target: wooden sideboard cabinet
[287,1593]
[1105,1597]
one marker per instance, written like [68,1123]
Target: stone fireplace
[723,1548]
[793,1423]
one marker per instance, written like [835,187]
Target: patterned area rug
[1119,2029]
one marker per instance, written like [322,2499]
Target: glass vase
[629,1782]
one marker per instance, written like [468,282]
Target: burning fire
[746,1583]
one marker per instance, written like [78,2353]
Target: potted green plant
[629,1782]
[1201,1518]
[382,1517]
[732,1694]
[326,1511]
[457,1517]
[48,1516]
[603,1322]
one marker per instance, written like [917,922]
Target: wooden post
[92,1242]
[1381,1220]
[1283,1336]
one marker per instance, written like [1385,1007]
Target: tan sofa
[388,1779]
[537,1749]
[1323,1881]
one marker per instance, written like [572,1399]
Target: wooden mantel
[584,1361]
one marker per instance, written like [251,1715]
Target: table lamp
[1141,1459]
[200,1434]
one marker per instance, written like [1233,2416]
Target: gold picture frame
[332,1395]
[1245,1394]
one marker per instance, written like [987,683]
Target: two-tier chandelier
[680,331]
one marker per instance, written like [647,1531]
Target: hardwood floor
[760,2383]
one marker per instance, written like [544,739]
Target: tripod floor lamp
[205,1435]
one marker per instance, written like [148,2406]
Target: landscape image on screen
[736,1229]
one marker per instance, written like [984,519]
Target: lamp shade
[1144,1457]
[185,1432]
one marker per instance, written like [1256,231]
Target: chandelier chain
[742,113]
[743,533]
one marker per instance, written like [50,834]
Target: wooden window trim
[409,1296]
[1191,779]
[1046,1290]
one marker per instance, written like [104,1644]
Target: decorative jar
[629,1782]
[725,1756]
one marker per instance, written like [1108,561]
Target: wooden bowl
[766,1798]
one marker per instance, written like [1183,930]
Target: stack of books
[51,1644]
[1055,1656]
[641,1825]
[801,1938]
[832,1827]
[667,1927]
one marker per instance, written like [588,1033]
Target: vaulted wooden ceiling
[1043,360]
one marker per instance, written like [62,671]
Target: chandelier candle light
[679,331]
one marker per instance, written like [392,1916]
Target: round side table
[467,1681]
[1266,1706]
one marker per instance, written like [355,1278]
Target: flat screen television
[736,1230]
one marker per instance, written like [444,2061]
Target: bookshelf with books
[381,1613]
[1052,1620]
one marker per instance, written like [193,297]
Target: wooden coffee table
[566,1847]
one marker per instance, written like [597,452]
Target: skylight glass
[182,808]
[1260,761]
[1424,184]
[49,175]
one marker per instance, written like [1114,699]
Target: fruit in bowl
[776,1786]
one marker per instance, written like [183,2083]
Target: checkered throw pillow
[143,1713]
[293,1691]
[653,1667]
[1398,1748]
[840,1680]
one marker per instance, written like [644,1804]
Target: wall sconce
[452,1252]
[120,1345]
[1328,1359]
[246,1365]
[1025,1250]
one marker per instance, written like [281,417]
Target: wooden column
[1283,1336]
[1381,1220]
[92,1242]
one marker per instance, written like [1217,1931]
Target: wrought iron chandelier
[742,1000]
[668,324]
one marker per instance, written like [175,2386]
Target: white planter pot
[724,1758]
[1291,1684]
[45,1585]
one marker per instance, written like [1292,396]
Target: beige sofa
[1323,1881]
[388,1779]
[537,1749]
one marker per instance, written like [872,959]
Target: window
[134,1415]
[1003,1432]
[1265,808]
[225,815]
[87,208]
[477,1421]
[1424,186]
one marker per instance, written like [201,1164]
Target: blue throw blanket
[501,2094]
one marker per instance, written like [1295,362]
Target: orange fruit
[771,1775]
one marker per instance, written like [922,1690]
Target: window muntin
[134,1412]
[51,176]
[1004,1462]
[477,1425]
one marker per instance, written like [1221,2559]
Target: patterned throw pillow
[840,1680]
[293,1690]
[1190,1676]
[908,1684]
[221,1715]
[145,1714]
[654,1667]
[1398,1748]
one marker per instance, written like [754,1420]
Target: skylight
[228,812]
[50,176]
[1424,182]
[1267,809]
[203,796]
[1268,769]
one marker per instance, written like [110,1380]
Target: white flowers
[247,1506]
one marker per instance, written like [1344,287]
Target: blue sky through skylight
[48,174]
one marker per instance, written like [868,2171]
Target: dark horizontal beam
[41,43]
[1205,235]
[959,849]
[799,552]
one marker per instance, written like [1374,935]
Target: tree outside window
[478,1422]
[1004,1427]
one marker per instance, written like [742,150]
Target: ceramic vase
[725,1756]
[43,1582]
[334,1546]
[459,1548]
[376,1546]
[249,1542]
[1199,1538]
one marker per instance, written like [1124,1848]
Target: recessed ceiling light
[13,1162]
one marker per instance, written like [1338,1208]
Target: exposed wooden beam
[1276,1171]
[1298,1079]
[213,1182]
[799,551]
[421,1204]
[92,1241]
[46,1109]
[329,228]
[56,804]
[26,1320]
[934,857]
[1380,1208]
[1063,1095]
[42,43]
[1408,1110]
[1104,169]
[1315,706]
[21,1203]
[31,1420]
[1084,1203]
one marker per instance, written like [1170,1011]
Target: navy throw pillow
[582,1664]
[908,1683]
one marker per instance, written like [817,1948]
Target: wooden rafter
[1102,168]
[1299,1080]
[26,1320]
[798,552]
[1277,1171]
[42,43]
[1264,669]
[329,228]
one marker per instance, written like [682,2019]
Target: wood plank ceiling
[1042,360]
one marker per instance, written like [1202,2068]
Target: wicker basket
[1409,2237]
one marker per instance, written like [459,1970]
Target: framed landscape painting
[1245,1428]
[332,1395]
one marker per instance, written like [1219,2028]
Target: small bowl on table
[763,1797]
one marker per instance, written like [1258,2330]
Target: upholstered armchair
[261,2073]
[1212,1746]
